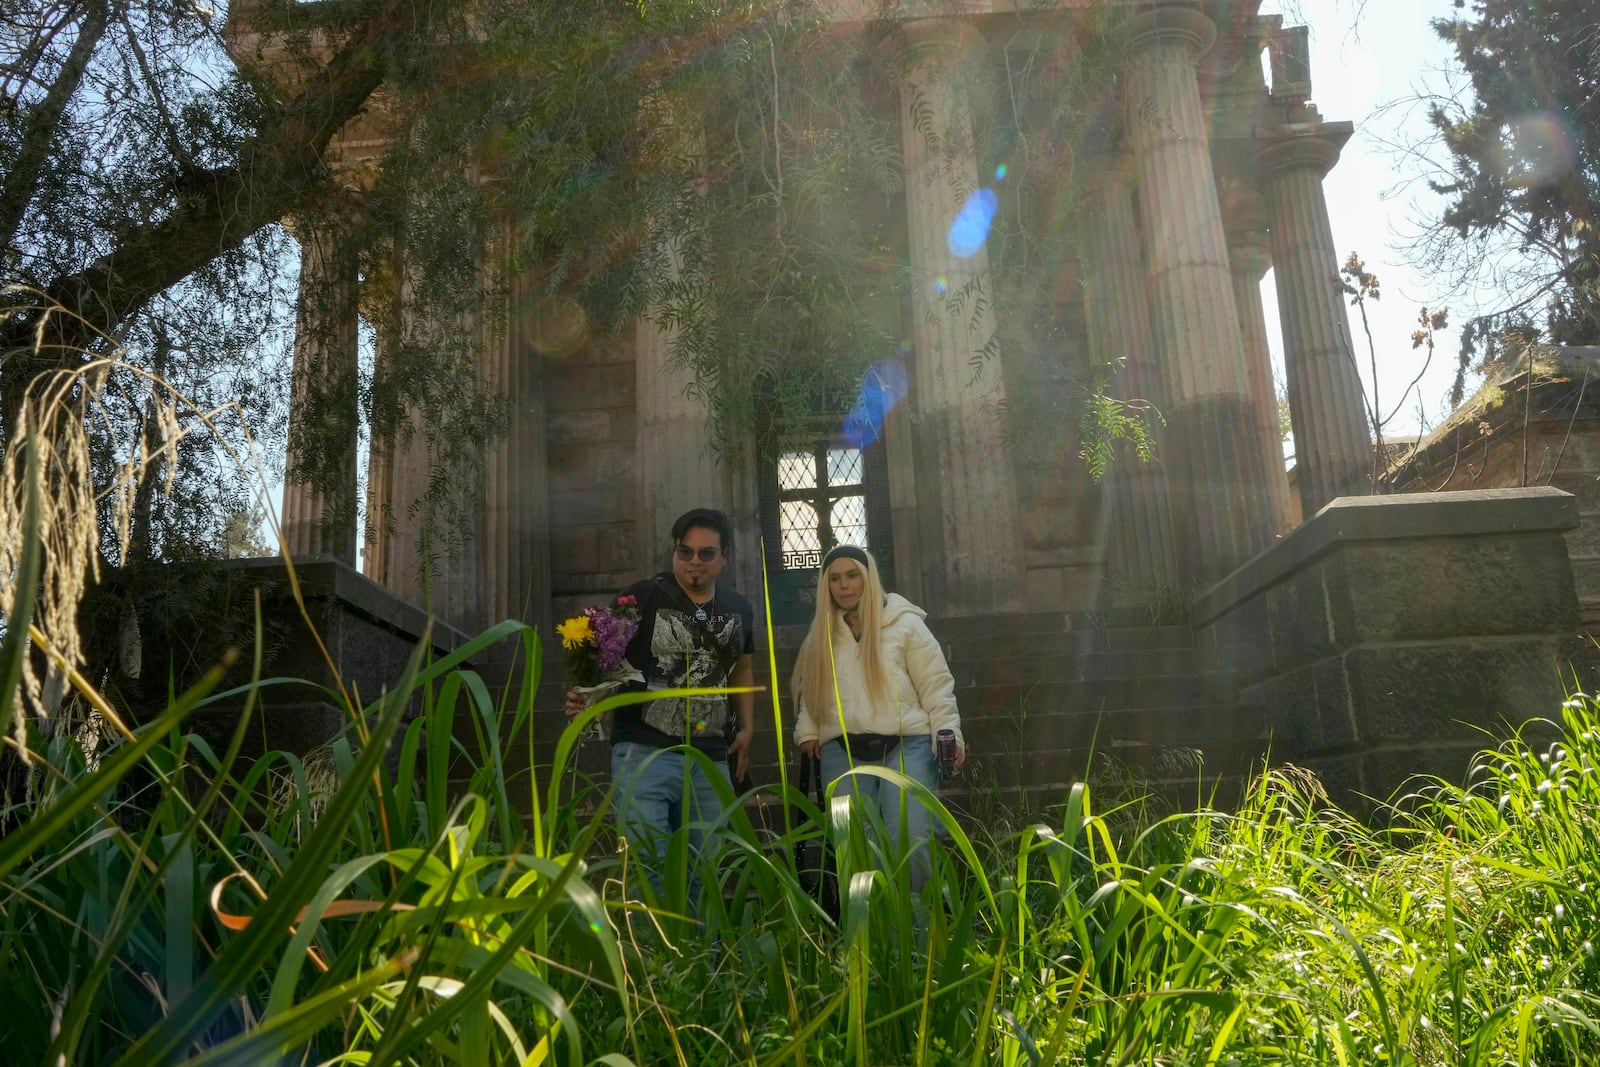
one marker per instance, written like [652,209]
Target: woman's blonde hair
[813,680]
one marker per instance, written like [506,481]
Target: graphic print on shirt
[692,654]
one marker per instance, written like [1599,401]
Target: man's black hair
[711,519]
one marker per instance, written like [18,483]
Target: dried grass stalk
[58,411]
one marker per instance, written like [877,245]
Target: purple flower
[611,636]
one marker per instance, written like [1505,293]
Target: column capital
[919,42]
[1172,23]
[1314,147]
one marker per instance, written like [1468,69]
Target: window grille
[818,492]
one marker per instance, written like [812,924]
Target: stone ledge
[324,577]
[1347,519]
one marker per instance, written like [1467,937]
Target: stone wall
[1390,636]
[590,403]
[1522,428]
[366,630]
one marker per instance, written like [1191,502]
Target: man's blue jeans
[651,806]
[912,757]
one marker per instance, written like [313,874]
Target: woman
[894,694]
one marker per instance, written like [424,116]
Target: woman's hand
[812,748]
[961,753]
[574,703]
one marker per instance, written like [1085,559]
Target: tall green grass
[161,902]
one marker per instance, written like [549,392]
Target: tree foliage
[152,152]
[1526,166]
[118,122]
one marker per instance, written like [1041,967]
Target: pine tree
[1526,159]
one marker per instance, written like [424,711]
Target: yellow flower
[576,631]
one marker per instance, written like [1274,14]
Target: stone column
[321,520]
[1139,552]
[516,516]
[435,558]
[1250,258]
[375,562]
[1217,471]
[971,533]
[1332,446]
[905,517]
[676,466]
[377,300]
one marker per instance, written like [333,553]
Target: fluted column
[1250,259]
[1217,473]
[377,538]
[1332,447]
[676,466]
[971,533]
[321,519]
[1140,552]
[435,558]
[516,515]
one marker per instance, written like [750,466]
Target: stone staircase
[1041,695]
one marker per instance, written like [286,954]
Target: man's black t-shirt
[682,645]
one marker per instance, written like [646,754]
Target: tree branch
[277,168]
[22,177]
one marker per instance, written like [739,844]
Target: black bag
[813,858]
[871,748]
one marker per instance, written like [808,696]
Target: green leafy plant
[408,897]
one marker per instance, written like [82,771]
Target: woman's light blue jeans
[912,757]
[651,807]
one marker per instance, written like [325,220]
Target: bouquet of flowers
[596,646]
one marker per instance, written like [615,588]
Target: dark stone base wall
[589,395]
[1388,636]
[367,631]
[1392,636]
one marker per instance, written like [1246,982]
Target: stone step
[1200,723]
[1048,666]
[1111,680]
[1166,650]
[1068,632]
[1094,695]
[1104,680]
[1152,761]
[1586,583]
[1000,626]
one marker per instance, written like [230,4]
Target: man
[693,633]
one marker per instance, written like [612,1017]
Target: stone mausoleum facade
[1045,584]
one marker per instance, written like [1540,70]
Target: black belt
[871,748]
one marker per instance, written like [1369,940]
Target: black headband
[844,552]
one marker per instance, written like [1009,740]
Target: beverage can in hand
[945,745]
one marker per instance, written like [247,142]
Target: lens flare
[1546,147]
[559,327]
[883,386]
[971,228]
[941,285]
[1000,173]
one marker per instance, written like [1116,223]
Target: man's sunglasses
[707,554]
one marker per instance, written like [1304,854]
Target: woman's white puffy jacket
[922,693]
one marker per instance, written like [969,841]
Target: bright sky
[1366,54]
